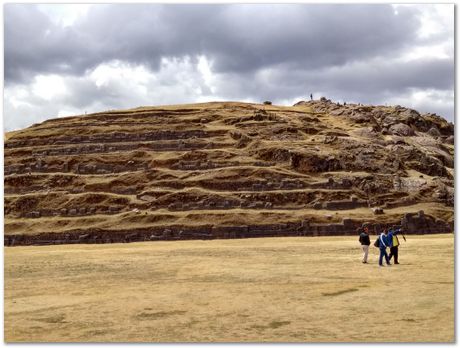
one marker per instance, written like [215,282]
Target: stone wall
[202,165]
[421,223]
[179,233]
[71,211]
[353,203]
[115,138]
[114,147]
[256,185]
[418,223]
[292,199]
[40,166]
[333,184]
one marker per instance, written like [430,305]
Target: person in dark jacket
[395,243]
[385,243]
[365,242]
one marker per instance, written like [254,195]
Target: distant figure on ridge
[311,96]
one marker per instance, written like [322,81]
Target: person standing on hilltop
[311,96]
[365,242]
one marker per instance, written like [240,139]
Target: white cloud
[442,50]
[436,32]
[48,87]
[204,67]
[117,72]
[64,14]
[111,85]
[426,101]
[437,19]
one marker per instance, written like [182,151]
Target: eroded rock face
[313,163]
[401,129]
[227,170]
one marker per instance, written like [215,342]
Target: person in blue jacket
[385,242]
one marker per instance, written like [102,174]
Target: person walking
[395,244]
[384,243]
[365,242]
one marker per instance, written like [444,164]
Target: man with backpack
[383,242]
[365,242]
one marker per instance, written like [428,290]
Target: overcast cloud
[70,59]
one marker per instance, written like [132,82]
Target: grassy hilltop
[226,170]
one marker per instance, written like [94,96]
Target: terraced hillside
[228,170]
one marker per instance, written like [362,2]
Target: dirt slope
[225,170]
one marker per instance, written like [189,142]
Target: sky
[64,59]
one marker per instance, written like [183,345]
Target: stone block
[33,214]
[317,205]
[114,209]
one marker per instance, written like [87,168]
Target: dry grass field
[295,289]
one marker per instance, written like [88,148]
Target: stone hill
[228,170]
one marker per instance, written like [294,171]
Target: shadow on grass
[341,292]
[272,325]
[158,315]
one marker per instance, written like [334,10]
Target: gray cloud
[257,52]
[237,37]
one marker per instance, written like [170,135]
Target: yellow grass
[250,290]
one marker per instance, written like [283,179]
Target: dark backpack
[377,242]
